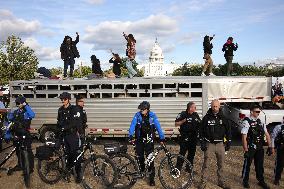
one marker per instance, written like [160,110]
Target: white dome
[156,51]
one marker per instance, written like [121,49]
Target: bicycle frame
[150,158]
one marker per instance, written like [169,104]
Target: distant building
[156,67]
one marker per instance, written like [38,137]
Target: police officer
[214,128]
[189,123]
[277,142]
[143,126]
[69,122]
[253,133]
[21,119]
[3,118]
[80,104]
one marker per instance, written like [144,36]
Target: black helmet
[65,95]
[144,105]
[20,100]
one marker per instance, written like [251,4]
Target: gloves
[227,145]
[269,151]
[203,146]
[246,154]
[7,136]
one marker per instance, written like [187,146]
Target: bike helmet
[20,100]
[144,105]
[65,95]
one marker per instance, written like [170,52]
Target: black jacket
[229,49]
[69,118]
[207,46]
[65,53]
[192,124]
[96,65]
[83,119]
[116,66]
[214,128]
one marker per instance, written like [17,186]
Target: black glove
[227,145]
[203,146]
[269,151]
[246,154]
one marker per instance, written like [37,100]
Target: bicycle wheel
[50,171]
[127,168]
[26,167]
[173,177]
[99,172]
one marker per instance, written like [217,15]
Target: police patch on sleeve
[178,116]
[77,115]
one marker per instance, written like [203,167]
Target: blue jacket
[28,115]
[154,122]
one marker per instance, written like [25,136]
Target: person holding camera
[214,129]
[21,119]
[253,133]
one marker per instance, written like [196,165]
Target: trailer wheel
[47,133]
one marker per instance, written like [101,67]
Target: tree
[82,71]
[56,71]
[17,61]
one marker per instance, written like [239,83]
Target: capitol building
[156,66]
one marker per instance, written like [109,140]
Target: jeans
[71,62]
[130,69]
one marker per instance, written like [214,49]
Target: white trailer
[111,103]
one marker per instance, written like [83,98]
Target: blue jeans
[71,62]
[130,69]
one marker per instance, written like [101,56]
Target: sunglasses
[257,112]
[64,99]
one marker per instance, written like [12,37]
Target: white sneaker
[203,74]
[211,74]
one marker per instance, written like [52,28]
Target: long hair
[117,57]
[131,37]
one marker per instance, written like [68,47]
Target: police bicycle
[98,171]
[170,176]
[19,142]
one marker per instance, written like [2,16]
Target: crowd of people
[213,132]
[69,52]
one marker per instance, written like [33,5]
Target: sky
[179,26]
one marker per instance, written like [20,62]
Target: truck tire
[47,132]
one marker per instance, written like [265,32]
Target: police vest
[255,135]
[279,140]
[145,126]
[19,120]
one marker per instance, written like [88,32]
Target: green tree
[17,61]
[82,71]
[56,71]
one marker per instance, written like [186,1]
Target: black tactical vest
[255,135]
[19,120]
[279,140]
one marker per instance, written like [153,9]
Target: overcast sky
[180,25]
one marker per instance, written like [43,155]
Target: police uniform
[143,128]
[2,120]
[255,131]
[84,124]
[69,120]
[214,128]
[21,119]
[189,132]
[277,140]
